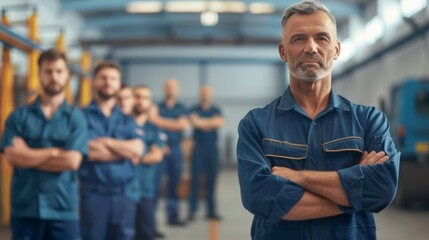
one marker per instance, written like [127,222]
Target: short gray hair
[305,7]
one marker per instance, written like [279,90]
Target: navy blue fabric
[205,137]
[204,162]
[179,110]
[116,174]
[281,134]
[38,229]
[145,173]
[172,165]
[145,228]
[107,216]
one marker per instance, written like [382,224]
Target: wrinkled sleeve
[372,188]
[217,112]
[10,131]
[78,139]
[262,193]
[160,138]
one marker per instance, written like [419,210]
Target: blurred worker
[146,170]
[44,142]
[206,120]
[312,164]
[107,205]
[126,100]
[170,116]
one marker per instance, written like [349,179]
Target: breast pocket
[343,152]
[285,154]
[59,136]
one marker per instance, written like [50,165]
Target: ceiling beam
[337,7]
[15,40]
[174,41]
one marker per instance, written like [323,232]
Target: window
[422,103]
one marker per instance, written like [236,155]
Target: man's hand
[166,150]
[286,173]
[373,158]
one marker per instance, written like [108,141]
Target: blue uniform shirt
[39,194]
[281,134]
[173,137]
[205,137]
[116,174]
[145,173]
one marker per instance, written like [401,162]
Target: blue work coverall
[205,161]
[45,204]
[108,202]
[281,134]
[173,161]
[145,178]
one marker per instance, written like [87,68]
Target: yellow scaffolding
[60,45]
[85,87]
[33,55]
[6,106]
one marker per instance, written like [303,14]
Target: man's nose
[311,47]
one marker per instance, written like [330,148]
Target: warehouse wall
[368,84]
[240,81]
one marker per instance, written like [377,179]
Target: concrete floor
[393,223]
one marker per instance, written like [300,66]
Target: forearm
[202,124]
[217,122]
[100,153]
[312,206]
[130,149]
[154,156]
[30,157]
[170,124]
[66,160]
[326,184]
[207,124]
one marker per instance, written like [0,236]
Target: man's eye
[297,39]
[323,38]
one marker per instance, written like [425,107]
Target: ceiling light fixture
[200,6]
[227,6]
[144,7]
[209,18]
[185,6]
[261,8]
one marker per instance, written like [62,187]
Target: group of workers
[311,164]
[96,173]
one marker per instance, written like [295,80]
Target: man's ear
[337,50]
[282,52]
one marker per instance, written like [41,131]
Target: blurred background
[232,46]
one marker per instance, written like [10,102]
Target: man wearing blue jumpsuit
[170,116]
[312,164]
[206,120]
[107,204]
[44,142]
[137,102]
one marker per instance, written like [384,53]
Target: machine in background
[409,119]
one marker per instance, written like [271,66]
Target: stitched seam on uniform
[278,141]
[340,139]
[282,156]
[344,104]
[344,150]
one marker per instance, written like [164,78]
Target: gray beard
[312,76]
